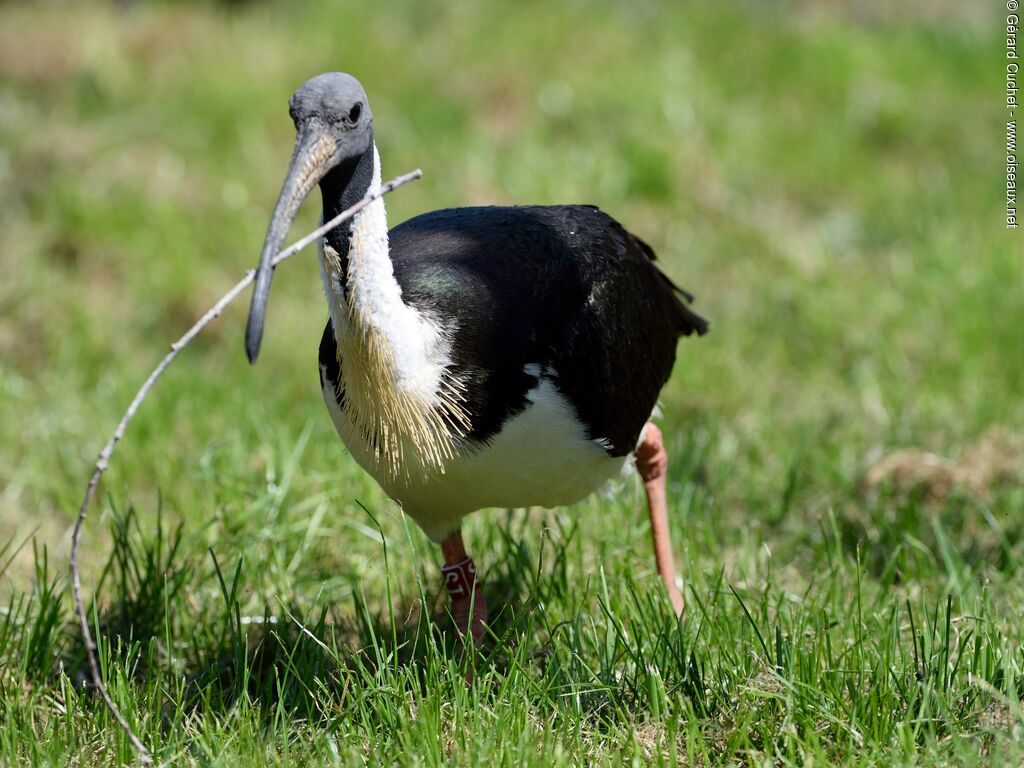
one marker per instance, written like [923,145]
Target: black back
[566,288]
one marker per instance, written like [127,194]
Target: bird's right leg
[652,464]
[469,608]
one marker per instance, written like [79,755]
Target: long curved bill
[311,160]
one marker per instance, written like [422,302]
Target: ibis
[479,357]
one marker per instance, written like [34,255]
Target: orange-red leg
[652,464]
[469,608]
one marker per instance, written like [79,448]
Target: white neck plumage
[399,389]
[368,292]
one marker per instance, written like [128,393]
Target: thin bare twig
[104,458]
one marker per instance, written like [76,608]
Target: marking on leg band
[460,578]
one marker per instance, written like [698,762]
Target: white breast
[541,457]
[396,374]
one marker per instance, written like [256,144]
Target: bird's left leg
[652,464]
[469,608]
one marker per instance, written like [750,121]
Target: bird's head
[334,133]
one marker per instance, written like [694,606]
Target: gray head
[335,97]
[334,129]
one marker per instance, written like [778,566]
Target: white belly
[542,457]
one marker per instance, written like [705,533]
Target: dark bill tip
[257,315]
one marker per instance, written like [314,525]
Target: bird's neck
[356,269]
[342,188]
[395,374]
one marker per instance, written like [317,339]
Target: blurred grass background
[826,178]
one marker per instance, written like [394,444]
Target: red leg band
[460,578]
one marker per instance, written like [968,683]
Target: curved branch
[104,458]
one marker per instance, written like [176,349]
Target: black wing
[566,288]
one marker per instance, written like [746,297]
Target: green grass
[828,183]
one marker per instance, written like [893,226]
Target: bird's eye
[355,112]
